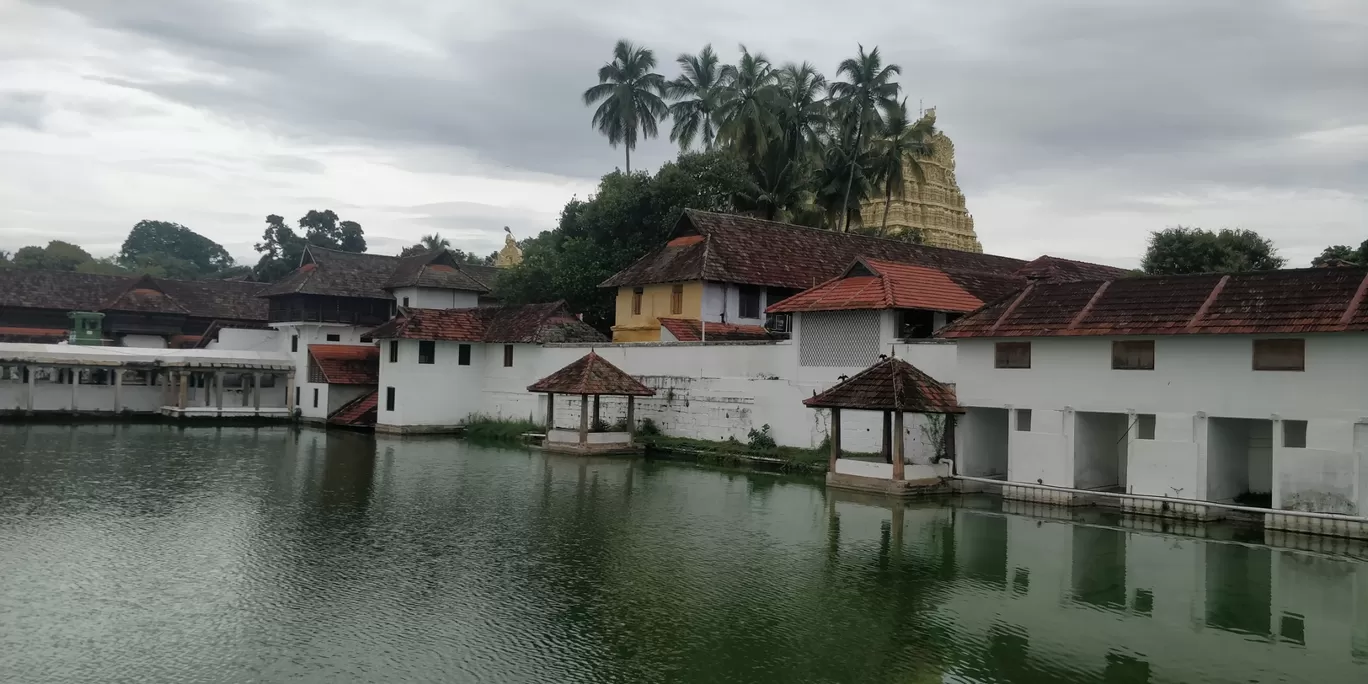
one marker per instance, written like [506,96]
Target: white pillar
[118,390]
[218,391]
[32,385]
[75,382]
[256,392]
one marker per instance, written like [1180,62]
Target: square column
[631,416]
[835,439]
[584,419]
[256,392]
[218,390]
[550,411]
[118,389]
[184,391]
[897,446]
[75,382]
[30,376]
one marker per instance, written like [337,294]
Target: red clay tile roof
[738,249]
[359,412]
[1062,270]
[531,323]
[591,374]
[689,330]
[346,364]
[873,284]
[33,335]
[183,341]
[889,385]
[1290,301]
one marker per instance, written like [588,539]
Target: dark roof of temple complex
[737,249]
[1291,301]
[346,364]
[349,274]
[67,291]
[690,330]
[874,284]
[531,323]
[591,374]
[1061,270]
[889,385]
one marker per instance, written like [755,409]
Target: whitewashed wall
[441,393]
[245,339]
[314,333]
[436,298]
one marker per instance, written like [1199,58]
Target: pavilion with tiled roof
[590,376]
[891,386]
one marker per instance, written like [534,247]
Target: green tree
[1182,250]
[899,148]
[1343,253]
[748,102]
[280,249]
[867,90]
[325,229]
[56,256]
[149,238]
[631,97]
[628,216]
[697,92]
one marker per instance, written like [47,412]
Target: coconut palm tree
[802,110]
[746,113]
[698,90]
[898,149]
[631,97]
[434,242]
[869,88]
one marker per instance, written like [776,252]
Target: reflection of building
[935,207]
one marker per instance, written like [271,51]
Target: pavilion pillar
[256,392]
[596,411]
[631,416]
[950,439]
[887,440]
[184,392]
[31,378]
[550,411]
[218,390]
[835,439]
[245,387]
[290,391]
[897,446]
[584,419]
[75,382]
[118,389]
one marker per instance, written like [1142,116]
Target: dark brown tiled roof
[889,385]
[1059,270]
[738,249]
[432,269]
[1290,301]
[342,274]
[484,275]
[33,335]
[532,323]
[67,291]
[346,364]
[591,374]
[689,330]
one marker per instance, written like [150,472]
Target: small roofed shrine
[590,376]
[894,387]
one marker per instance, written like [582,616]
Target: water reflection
[142,553]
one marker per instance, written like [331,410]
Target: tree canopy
[1343,254]
[172,250]
[281,247]
[629,215]
[1183,250]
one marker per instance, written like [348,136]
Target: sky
[1080,126]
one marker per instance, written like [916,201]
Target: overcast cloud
[1079,126]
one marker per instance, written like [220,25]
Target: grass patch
[481,428]
[733,451]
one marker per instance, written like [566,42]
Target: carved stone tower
[935,207]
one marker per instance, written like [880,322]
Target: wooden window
[1133,355]
[315,397]
[294,343]
[676,299]
[427,352]
[394,351]
[1023,420]
[508,356]
[463,355]
[1012,355]
[1294,434]
[748,305]
[389,398]
[405,302]
[1280,355]
[636,300]
[334,337]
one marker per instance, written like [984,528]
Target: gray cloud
[22,109]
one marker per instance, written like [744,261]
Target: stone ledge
[1352,529]
[899,488]
[419,429]
[1037,495]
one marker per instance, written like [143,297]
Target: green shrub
[647,428]
[482,428]
[761,439]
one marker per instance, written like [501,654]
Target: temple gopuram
[935,207]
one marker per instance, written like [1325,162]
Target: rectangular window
[1280,355]
[1294,434]
[463,355]
[405,302]
[749,304]
[334,337]
[916,324]
[294,343]
[676,299]
[296,396]
[315,397]
[1023,420]
[1133,355]
[636,301]
[427,352]
[389,398]
[1144,426]
[394,351]
[1012,355]
[508,356]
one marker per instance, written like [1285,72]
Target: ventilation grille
[839,338]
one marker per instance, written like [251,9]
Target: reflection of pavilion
[1132,606]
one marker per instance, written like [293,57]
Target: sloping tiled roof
[484,275]
[689,330]
[359,412]
[1290,301]
[349,274]
[889,385]
[67,291]
[591,374]
[1059,270]
[738,249]
[347,364]
[33,335]
[432,269]
[873,284]
[531,323]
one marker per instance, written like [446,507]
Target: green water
[154,554]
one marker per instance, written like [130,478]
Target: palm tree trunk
[888,202]
[629,159]
[850,181]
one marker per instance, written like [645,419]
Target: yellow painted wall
[655,304]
